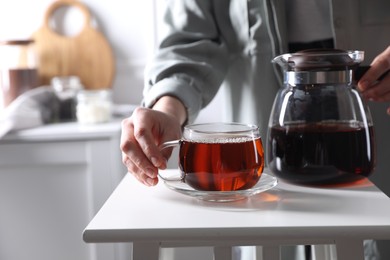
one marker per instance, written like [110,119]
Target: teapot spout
[282,60]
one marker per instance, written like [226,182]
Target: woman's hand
[369,85]
[144,131]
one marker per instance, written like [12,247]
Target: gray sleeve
[192,59]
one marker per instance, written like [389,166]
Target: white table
[155,217]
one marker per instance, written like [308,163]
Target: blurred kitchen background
[54,179]
[130,29]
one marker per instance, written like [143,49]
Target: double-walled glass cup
[219,156]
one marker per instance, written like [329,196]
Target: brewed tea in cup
[219,156]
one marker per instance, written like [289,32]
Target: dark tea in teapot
[321,153]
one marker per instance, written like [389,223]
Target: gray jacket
[207,43]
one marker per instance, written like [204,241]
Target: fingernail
[150,181]
[150,173]
[363,85]
[155,161]
[163,166]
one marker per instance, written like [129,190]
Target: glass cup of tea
[219,156]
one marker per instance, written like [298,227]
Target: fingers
[375,83]
[133,156]
[147,177]
[379,66]
[148,139]
[141,135]
[137,163]
[379,92]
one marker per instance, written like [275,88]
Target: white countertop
[65,131]
[136,213]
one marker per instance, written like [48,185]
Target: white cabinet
[53,180]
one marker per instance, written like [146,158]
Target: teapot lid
[320,60]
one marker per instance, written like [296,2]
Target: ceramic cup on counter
[219,156]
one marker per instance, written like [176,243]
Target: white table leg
[323,252]
[350,249]
[222,253]
[267,253]
[146,250]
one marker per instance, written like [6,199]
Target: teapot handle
[361,70]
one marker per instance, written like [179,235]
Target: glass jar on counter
[18,69]
[94,106]
[66,89]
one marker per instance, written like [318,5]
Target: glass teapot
[320,130]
